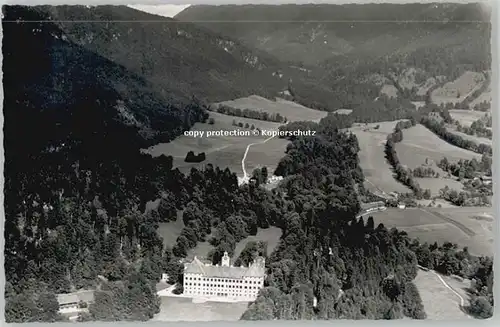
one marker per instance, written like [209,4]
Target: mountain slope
[349,34]
[71,97]
[184,60]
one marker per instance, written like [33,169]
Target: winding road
[245,175]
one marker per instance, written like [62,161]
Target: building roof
[160,286]
[372,205]
[256,269]
[75,297]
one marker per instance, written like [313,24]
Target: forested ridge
[325,249]
[437,38]
[354,49]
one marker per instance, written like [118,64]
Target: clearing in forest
[466,117]
[459,89]
[440,303]
[419,144]
[270,235]
[465,226]
[378,172]
[291,110]
[220,151]
[184,309]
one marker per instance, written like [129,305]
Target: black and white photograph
[236,162]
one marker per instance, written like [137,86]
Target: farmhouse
[274,178]
[487,180]
[236,283]
[71,304]
[372,206]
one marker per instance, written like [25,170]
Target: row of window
[220,294]
[223,280]
[222,286]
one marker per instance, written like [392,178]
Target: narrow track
[245,175]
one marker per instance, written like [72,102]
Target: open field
[291,110]
[221,151]
[466,117]
[266,154]
[419,143]
[171,230]
[183,309]
[435,184]
[440,303]
[485,96]
[378,172]
[459,89]
[201,250]
[438,203]
[228,151]
[270,235]
[465,226]
[389,90]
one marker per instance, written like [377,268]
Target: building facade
[234,283]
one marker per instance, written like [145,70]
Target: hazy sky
[162,10]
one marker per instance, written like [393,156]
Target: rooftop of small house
[376,204]
[75,297]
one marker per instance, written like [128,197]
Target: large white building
[234,283]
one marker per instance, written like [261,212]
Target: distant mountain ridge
[319,34]
[181,58]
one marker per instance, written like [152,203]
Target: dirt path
[438,297]
[462,301]
[245,175]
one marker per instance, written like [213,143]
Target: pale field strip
[266,154]
[243,167]
[419,143]
[485,96]
[459,89]
[291,110]
[441,302]
[465,226]
[378,172]
[466,117]
[184,309]
[389,90]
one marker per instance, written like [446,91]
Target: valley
[136,193]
